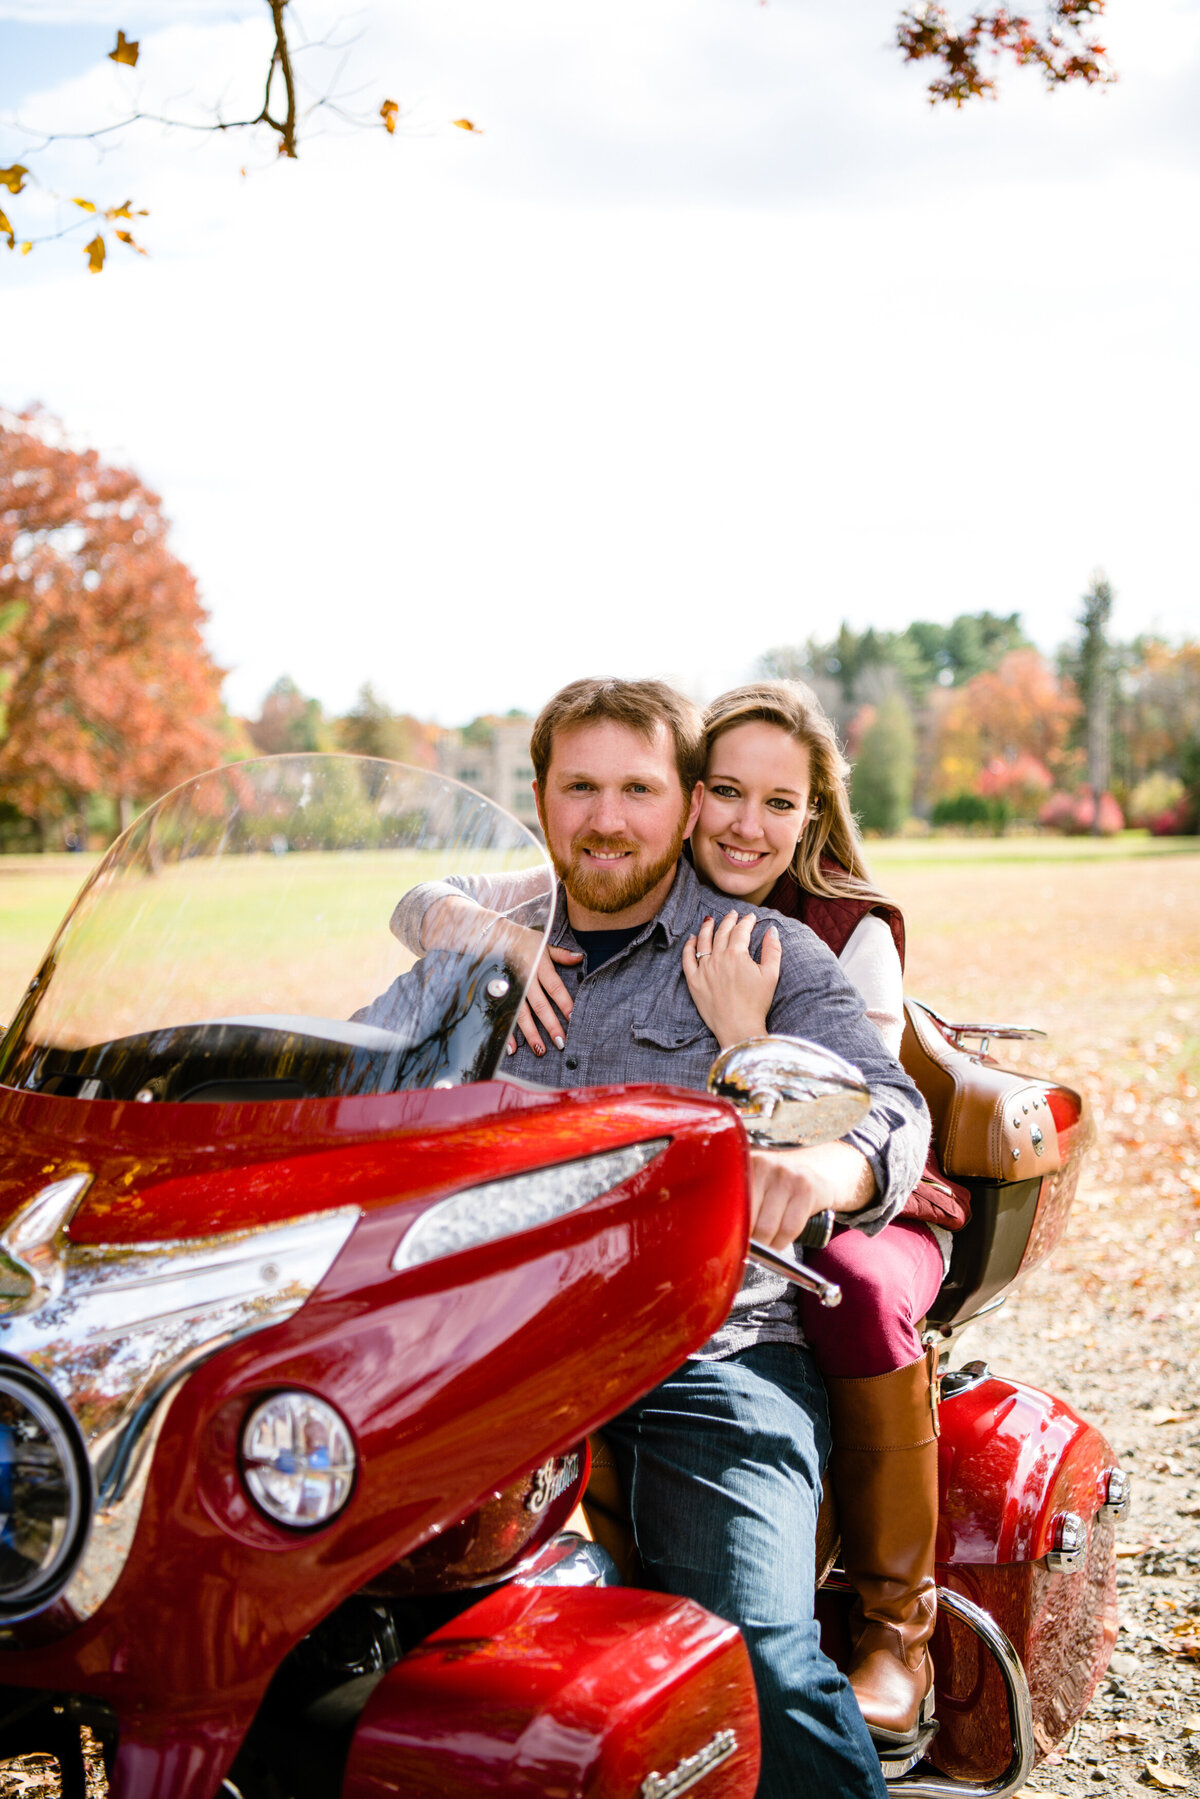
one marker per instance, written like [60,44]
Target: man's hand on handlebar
[790,1185]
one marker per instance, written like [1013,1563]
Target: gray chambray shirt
[634,1020]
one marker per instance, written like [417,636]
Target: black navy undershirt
[600,946]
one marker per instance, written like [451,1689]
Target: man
[722,1461]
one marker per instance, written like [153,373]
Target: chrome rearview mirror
[790,1093]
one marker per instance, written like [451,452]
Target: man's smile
[607,855]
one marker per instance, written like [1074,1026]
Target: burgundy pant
[888,1284]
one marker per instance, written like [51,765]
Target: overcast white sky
[716,335]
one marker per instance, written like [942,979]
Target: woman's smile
[741,858]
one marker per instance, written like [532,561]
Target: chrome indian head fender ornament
[114,1328]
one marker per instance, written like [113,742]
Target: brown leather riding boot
[884,1468]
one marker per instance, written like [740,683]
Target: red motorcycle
[304,1325]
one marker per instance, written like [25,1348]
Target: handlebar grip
[817,1231]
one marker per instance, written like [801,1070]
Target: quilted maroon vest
[834,921]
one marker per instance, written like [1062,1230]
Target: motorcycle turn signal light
[1070,1545]
[298,1460]
[1116,1493]
[503,1208]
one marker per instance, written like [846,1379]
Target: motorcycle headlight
[298,1459]
[45,1493]
[518,1203]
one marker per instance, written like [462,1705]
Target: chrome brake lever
[828,1292]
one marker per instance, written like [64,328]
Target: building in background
[492,755]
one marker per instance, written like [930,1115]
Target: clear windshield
[235,943]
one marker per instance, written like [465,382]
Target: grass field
[897,852]
[307,932]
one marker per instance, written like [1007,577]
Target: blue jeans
[722,1463]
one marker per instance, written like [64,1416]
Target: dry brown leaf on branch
[126,237]
[466,125]
[85,205]
[6,230]
[388,113]
[13,178]
[125,51]
[95,254]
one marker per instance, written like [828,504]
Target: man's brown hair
[639,705]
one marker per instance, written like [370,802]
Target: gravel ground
[1108,959]
[1139,1387]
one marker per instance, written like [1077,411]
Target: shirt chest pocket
[669,1029]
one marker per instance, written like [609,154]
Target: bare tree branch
[281,59]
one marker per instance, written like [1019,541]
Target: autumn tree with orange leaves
[1016,711]
[106,686]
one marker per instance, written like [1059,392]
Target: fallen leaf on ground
[1165,1777]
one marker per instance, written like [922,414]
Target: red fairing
[538,1691]
[168,1171]
[456,1376]
[1013,1461]
[499,1538]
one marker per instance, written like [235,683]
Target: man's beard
[626,884]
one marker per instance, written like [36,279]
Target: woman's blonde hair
[831,831]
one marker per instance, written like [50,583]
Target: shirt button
[572,1062]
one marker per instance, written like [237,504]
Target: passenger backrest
[1014,1141]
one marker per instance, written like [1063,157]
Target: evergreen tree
[289,723]
[882,783]
[371,728]
[1094,680]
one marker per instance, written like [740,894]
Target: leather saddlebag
[988,1123]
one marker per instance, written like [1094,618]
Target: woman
[775,829]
